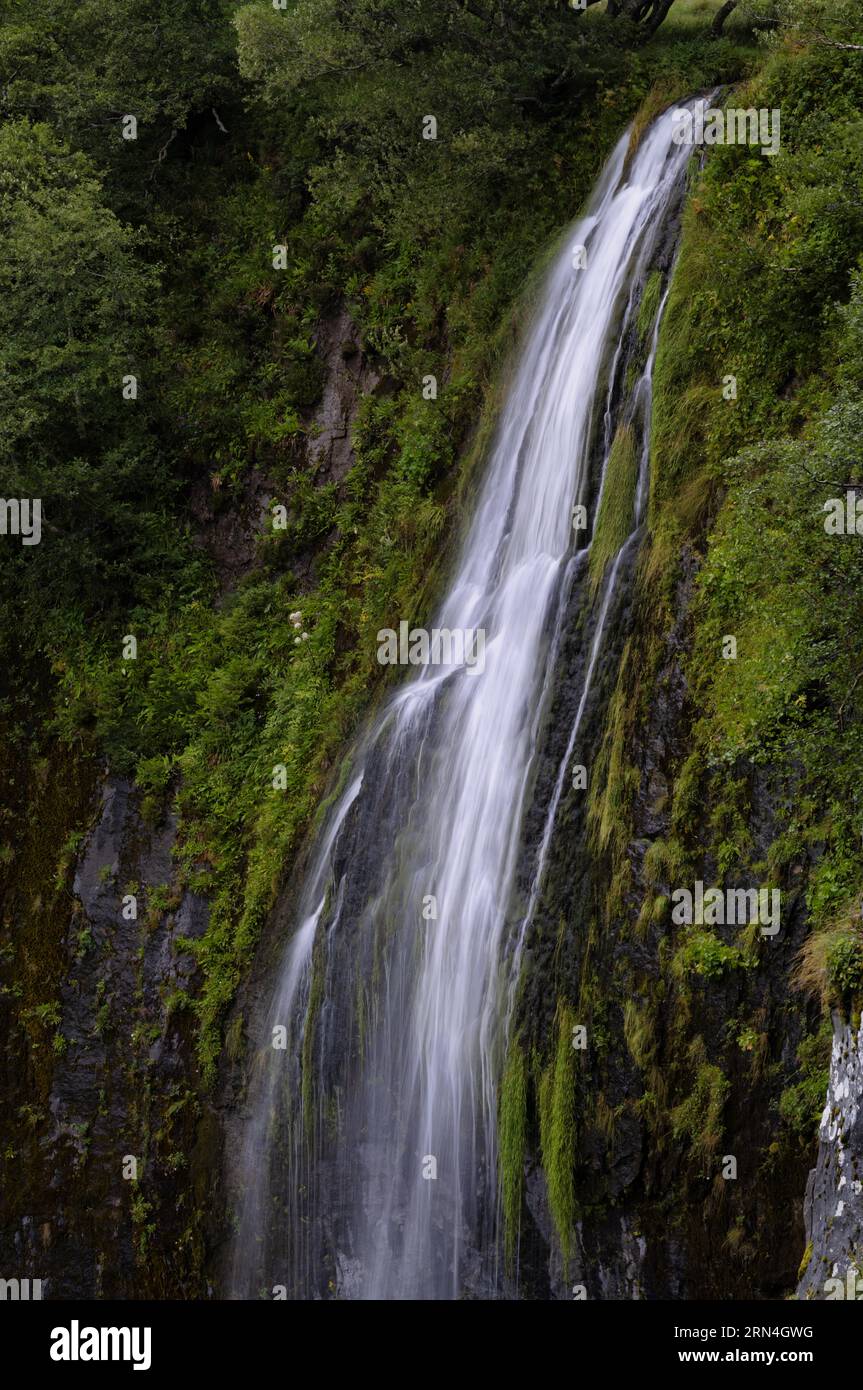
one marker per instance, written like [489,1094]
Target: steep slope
[282,260]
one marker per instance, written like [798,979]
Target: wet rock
[833,1208]
[122,1067]
[349,375]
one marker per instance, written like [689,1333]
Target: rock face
[229,526]
[656,1217]
[120,1128]
[348,376]
[834,1194]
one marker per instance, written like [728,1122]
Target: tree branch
[720,18]
[162,153]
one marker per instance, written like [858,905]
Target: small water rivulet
[369,1164]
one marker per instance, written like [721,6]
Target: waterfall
[368,1165]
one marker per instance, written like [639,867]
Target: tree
[828,22]
[75,304]
[650,13]
[84,67]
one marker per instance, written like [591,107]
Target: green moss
[802,1104]
[691,790]
[649,306]
[512,1138]
[614,783]
[845,963]
[702,953]
[698,1119]
[638,1031]
[804,1263]
[617,503]
[143,1229]
[830,965]
[664,862]
[557,1130]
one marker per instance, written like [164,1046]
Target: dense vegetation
[156,258]
[761,468]
[757,417]
[165,249]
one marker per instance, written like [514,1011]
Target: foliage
[617,504]
[702,953]
[512,1140]
[83,67]
[698,1118]
[802,1104]
[767,291]
[557,1130]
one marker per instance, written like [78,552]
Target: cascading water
[368,1167]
